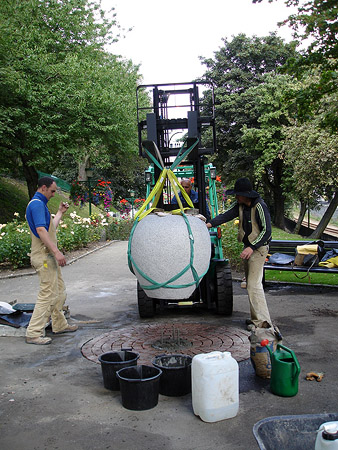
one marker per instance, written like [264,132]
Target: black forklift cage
[158,126]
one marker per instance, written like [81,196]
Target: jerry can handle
[293,357]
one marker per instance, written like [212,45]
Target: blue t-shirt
[37,213]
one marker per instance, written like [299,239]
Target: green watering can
[285,370]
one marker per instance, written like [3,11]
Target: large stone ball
[160,248]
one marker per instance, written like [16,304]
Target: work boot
[38,340]
[68,329]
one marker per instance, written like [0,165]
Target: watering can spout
[264,343]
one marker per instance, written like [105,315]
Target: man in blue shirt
[187,186]
[47,259]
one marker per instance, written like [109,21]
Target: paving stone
[201,338]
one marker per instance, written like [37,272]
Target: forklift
[158,124]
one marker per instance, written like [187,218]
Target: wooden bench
[289,248]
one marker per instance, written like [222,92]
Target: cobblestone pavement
[150,340]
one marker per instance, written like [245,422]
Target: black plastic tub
[290,432]
[176,374]
[111,362]
[139,387]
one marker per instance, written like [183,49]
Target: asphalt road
[53,398]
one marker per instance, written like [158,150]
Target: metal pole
[90,197]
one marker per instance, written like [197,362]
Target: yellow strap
[172,178]
[156,191]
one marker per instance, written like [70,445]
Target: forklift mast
[162,122]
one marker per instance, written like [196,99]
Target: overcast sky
[169,36]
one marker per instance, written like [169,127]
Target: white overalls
[52,294]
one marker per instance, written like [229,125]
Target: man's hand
[246,253]
[63,207]
[208,225]
[60,258]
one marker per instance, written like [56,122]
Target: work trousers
[253,268]
[52,294]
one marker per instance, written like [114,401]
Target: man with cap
[254,231]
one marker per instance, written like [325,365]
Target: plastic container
[139,387]
[284,372]
[111,362]
[176,374]
[290,432]
[215,386]
[327,436]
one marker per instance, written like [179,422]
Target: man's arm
[62,209]
[45,238]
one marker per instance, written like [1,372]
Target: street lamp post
[89,173]
[131,200]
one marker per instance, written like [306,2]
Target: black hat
[243,187]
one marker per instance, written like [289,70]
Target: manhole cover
[150,340]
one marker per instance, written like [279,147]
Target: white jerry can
[162,247]
[327,436]
[215,386]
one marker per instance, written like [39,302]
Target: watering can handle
[293,357]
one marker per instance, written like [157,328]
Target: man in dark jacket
[254,231]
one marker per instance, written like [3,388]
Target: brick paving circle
[195,337]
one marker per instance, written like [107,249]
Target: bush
[119,229]
[15,243]
[230,245]
[72,233]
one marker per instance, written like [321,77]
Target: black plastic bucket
[176,374]
[111,362]
[139,386]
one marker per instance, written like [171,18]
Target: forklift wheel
[224,295]
[146,305]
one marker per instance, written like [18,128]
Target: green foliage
[230,245]
[61,92]
[239,65]
[119,229]
[330,279]
[15,243]
[13,198]
[74,232]
[313,154]
[315,24]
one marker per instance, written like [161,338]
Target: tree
[316,24]
[313,154]
[264,142]
[239,66]
[61,92]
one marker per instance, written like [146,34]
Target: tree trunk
[279,209]
[31,176]
[303,208]
[326,218]
[274,183]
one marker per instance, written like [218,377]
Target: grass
[313,278]
[290,277]
[14,198]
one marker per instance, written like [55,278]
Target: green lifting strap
[167,284]
[155,192]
